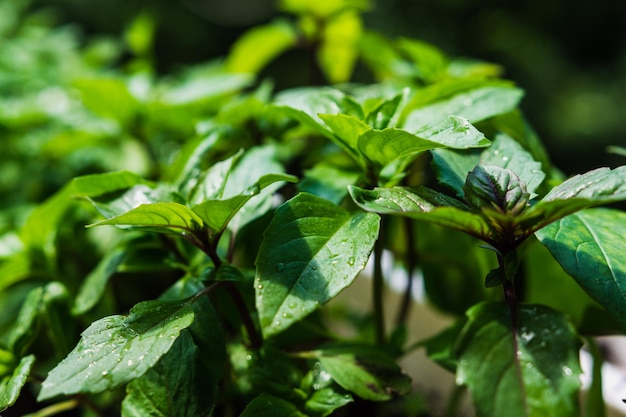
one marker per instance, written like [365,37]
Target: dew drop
[351,261]
[259,286]
[130,362]
[276,323]
[567,370]
[105,373]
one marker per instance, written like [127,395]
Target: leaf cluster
[223,217]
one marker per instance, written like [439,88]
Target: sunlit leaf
[338,52]
[217,213]
[589,245]
[118,349]
[160,217]
[474,105]
[424,204]
[593,188]
[311,251]
[257,47]
[528,368]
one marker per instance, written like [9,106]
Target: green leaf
[266,370]
[589,245]
[423,204]
[94,284]
[452,166]
[322,9]
[211,183]
[492,187]
[431,63]
[386,113]
[474,105]
[453,132]
[525,369]
[452,284]
[216,214]
[118,349]
[158,217]
[266,405]
[95,185]
[364,370]
[328,181]
[338,52]
[382,57]
[311,251]
[325,400]
[177,386]
[27,323]
[11,385]
[348,128]
[109,98]
[593,188]
[544,277]
[258,46]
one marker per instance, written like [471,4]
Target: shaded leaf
[527,369]
[492,187]
[27,323]
[328,181]
[266,405]
[589,245]
[311,251]
[177,386]
[94,284]
[365,370]
[11,385]
[118,349]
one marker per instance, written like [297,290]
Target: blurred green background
[570,57]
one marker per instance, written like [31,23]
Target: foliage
[222,216]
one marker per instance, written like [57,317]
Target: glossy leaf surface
[424,204]
[177,386]
[589,245]
[311,251]
[519,370]
[117,349]
[161,217]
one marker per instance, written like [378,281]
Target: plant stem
[377,291]
[411,261]
[454,401]
[253,335]
[211,251]
[55,409]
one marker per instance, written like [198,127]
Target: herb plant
[222,216]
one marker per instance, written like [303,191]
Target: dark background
[570,57]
